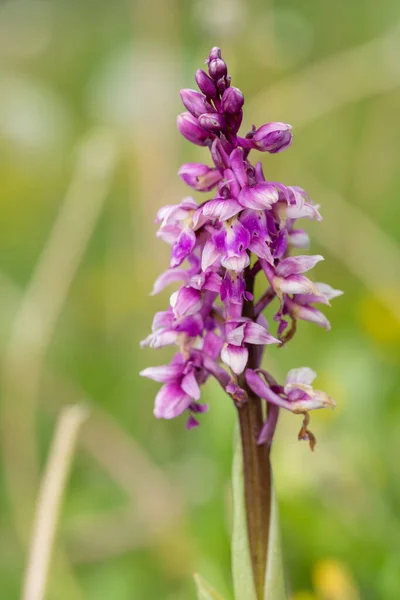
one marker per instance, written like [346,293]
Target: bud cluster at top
[247,229]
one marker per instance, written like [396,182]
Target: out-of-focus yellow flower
[303,595]
[377,322]
[333,581]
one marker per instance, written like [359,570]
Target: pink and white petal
[169,233]
[261,249]
[163,338]
[304,299]
[307,211]
[297,264]
[235,336]
[186,301]
[328,291]
[209,256]
[190,386]
[235,357]
[268,429]
[171,401]
[311,314]
[305,312]
[147,340]
[174,213]
[318,400]
[236,263]
[262,320]
[295,284]
[231,324]
[262,390]
[256,334]
[164,213]
[229,208]
[259,197]
[168,277]
[163,373]
[238,167]
[212,344]
[197,281]
[298,238]
[162,320]
[221,209]
[303,375]
[183,246]
[212,282]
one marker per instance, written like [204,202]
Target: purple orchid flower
[246,229]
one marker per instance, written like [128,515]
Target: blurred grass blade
[204,589]
[242,572]
[274,575]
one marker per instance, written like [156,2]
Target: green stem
[257,487]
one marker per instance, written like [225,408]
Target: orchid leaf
[274,576]
[204,589]
[242,572]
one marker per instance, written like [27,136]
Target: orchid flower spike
[247,228]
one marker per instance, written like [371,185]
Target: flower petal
[235,357]
[236,336]
[318,400]
[257,334]
[261,389]
[163,373]
[212,345]
[297,264]
[308,313]
[186,301]
[183,246]
[261,249]
[238,168]
[171,401]
[166,278]
[295,284]
[328,291]
[298,238]
[307,211]
[303,375]
[259,196]
[236,263]
[209,256]
[190,386]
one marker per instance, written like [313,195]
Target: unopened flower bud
[232,100]
[223,84]
[206,84]
[214,53]
[273,137]
[195,102]
[189,127]
[217,68]
[199,176]
[212,121]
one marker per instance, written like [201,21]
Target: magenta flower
[246,229]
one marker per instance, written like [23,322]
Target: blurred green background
[89,92]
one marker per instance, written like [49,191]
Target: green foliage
[242,574]
[204,589]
